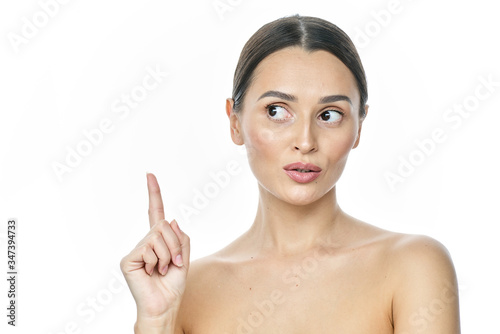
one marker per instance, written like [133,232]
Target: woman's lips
[302,177]
[302,172]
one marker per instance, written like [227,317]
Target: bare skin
[305,266]
[362,284]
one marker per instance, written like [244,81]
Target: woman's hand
[156,269]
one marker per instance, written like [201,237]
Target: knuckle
[159,225]
[177,250]
[163,227]
[122,263]
[162,223]
[154,260]
[155,211]
[144,249]
[155,236]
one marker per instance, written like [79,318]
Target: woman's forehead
[294,68]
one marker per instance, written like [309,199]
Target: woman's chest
[299,297]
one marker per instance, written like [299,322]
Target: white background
[66,77]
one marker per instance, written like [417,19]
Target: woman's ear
[361,119]
[234,122]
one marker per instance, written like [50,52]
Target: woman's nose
[305,138]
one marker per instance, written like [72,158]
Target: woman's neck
[282,229]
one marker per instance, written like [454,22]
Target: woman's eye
[331,116]
[276,112]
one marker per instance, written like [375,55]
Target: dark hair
[311,33]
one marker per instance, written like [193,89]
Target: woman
[304,266]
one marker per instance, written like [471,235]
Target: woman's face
[300,107]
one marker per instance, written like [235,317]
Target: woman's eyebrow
[293,98]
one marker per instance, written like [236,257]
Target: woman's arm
[425,299]
[158,325]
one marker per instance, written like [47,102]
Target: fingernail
[164,270]
[178,260]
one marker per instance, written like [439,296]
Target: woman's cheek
[339,147]
[344,140]
[261,143]
[342,146]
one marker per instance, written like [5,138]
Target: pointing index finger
[156,212]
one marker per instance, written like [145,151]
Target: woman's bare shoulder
[422,281]
[414,248]
[205,274]
[405,254]
[205,268]
[399,244]
[208,272]
[418,245]
[416,257]
[424,285]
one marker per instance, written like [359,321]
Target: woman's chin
[300,197]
